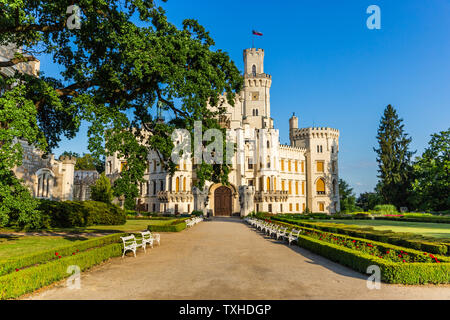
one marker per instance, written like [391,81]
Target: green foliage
[101,190]
[385,209]
[68,214]
[432,175]
[44,256]
[89,162]
[394,159]
[197,213]
[368,200]
[175,226]
[24,281]
[115,69]
[347,198]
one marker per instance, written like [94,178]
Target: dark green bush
[67,214]
[197,213]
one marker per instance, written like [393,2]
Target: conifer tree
[394,159]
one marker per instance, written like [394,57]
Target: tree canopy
[114,71]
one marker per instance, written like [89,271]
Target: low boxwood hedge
[175,226]
[44,256]
[408,240]
[16,284]
[391,272]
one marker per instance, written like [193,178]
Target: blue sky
[331,70]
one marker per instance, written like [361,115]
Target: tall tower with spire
[256,108]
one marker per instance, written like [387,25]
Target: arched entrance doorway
[222,201]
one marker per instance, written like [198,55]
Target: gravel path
[226,259]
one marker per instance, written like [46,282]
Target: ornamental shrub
[385,208]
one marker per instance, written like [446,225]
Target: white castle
[266,175]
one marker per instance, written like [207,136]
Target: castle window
[282,165]
[333,166]
[290,187]
[45,178]
[304,207]
[321,206]
[268,162]
[332,149]
[184,184]
[268,144]
[296,166]
[256,112]
[282,185]
[321,149]
[250,163]
[161,185]
[254,70]
[320,166]
[303,187]
[274,184]
[270,207]
[289,165]
[123,166]
[154,187]
[268,183]
[177,185]
[320,186]
[297,207]
[296,187]
[303,166]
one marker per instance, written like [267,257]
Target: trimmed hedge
[408,240]
[11,264]
[175,226]
[16,284]
[67,214]
[391,272]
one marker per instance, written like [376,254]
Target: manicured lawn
[16,245]
[437,230]
[13,245]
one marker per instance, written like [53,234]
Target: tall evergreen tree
[394,159]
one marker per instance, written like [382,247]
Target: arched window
[161,185]
[254,70]
[184,184]
[45,179]
[154,187]
[177,184]
[268,144]
[268,183]
[268,162]
[256,112]
[274,184]
[320,186]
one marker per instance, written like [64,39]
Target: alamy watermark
[374,20]
[374,281]
[74,281]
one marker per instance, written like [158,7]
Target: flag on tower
[257,33]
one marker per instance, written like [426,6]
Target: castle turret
[256,90]
[293,125]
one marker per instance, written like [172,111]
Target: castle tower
[256,109]
[322,174]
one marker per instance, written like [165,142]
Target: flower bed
[401,239]
[418,267]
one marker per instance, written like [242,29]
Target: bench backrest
[129,240]
[146,234]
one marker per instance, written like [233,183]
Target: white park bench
[292,236]
[156,237]
[147,239]
[130,244]
[281,233]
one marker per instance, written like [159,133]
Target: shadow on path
[315,258]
